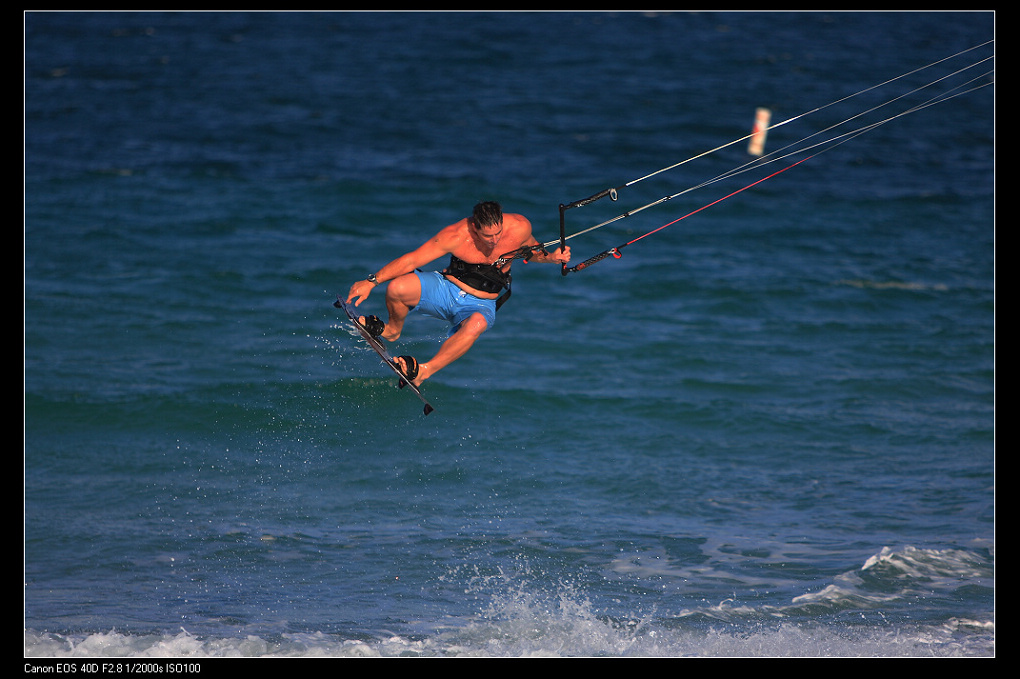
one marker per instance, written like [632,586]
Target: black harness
[484,277]
[490,277]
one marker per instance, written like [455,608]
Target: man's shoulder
[455,230]
[517,221]
[515,217]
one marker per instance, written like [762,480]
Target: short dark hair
[488,213]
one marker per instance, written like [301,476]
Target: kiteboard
[383,354]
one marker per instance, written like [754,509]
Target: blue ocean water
[766,430]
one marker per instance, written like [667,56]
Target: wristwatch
[372,279]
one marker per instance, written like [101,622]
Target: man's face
[487,236]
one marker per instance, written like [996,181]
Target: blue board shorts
[442,299]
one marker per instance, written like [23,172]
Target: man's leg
[453,348]
[402,294]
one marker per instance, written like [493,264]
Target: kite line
[974,82]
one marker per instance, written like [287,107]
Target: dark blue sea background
[765,430]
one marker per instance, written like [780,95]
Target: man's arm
[541,255]
[437,246]
[553,257]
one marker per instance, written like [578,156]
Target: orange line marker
[756,146]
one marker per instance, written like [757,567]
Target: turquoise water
[766,430]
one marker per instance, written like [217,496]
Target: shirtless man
[464,294]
